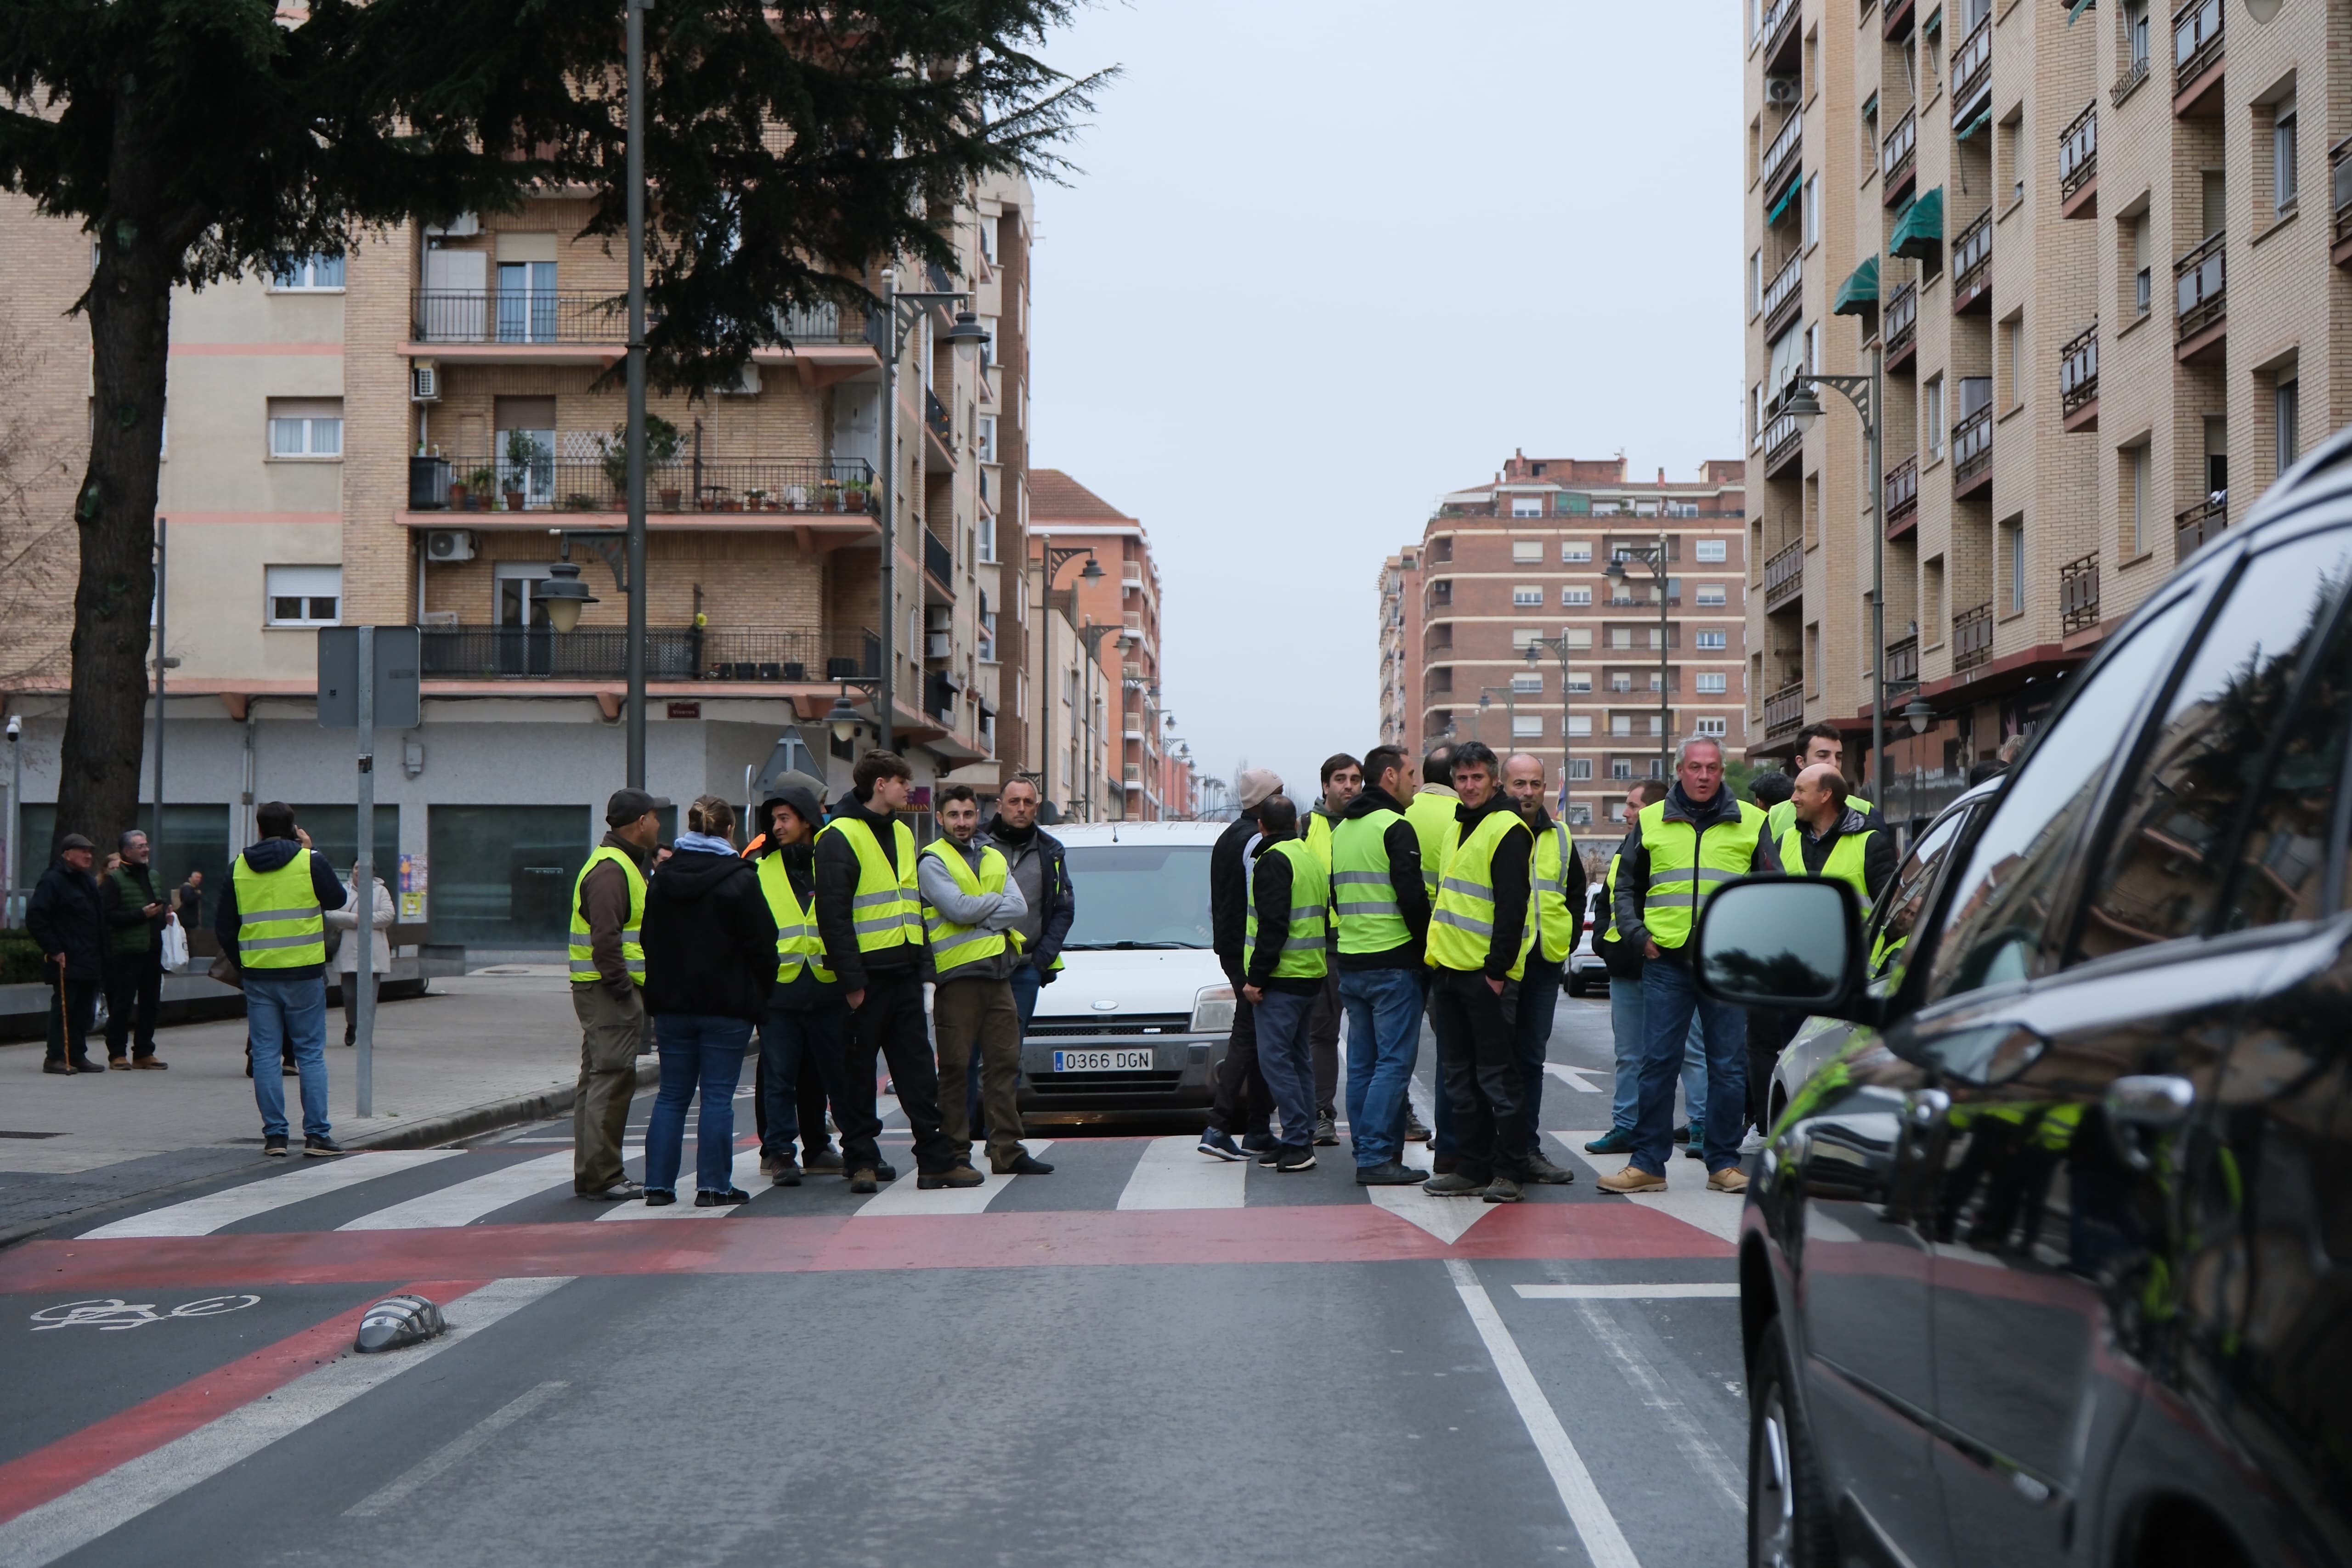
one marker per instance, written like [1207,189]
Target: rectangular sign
[397,660]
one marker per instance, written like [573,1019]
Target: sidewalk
[477,1051]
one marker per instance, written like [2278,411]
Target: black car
[2053,1262]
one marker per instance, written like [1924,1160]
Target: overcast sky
[1325,259]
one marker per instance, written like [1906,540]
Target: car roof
[1078,834]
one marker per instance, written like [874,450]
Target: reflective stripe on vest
[797,943]
[953,946]
[1845,862]
[633,952]
[1609,897]
[1435,824]
[280,923]
[885,910]
[1462,927]
[1556,923]
[1310,894]
[1686,865]
[1363,896]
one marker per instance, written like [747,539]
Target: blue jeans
[1287,1060]
[1669,998]
[787,1036]
[1539,1002]
[707,1052]
[1383,1011]
[279,1014]
[1632,1041]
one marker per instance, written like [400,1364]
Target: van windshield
[1139,896]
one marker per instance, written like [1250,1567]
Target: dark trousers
[134,985]
[1477,1060]
[890,1025]
[801,1049]
[1285,1058]
[978,1023]
[1532,1033]
[72,1004]
[1769,1034]
[1323,1038]
[1025,983]
[1244,1103]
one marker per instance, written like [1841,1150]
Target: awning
[1979,123]
[2077,8]
[1920,230]
[1858,295]
[1773,216]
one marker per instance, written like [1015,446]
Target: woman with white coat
[346,920]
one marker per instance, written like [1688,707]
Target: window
[2287,412]
[1526,726]
[2169,854]
[1620,637]
[2142,236]
[306,426]
[1932,415]
[1523,636]
[987,633]
[2013,353]
[1571,597]
[1581,767]
[1711,594]
[1812,348]
[1713,726]
[2136,37]
[1713,549]
[1527,506]
[2136,498]
[311,272]
[988,240]
[1813,199]
[1575,549]
[502,875]
[2283,158]
[1708,640]
[1528,685]
[2016,552]
[986,533]
[1578,680]
[1755,283]
[1620,767]
[1579,723]
[1578,637]
[2001,900]
[984,437]
[526,302]
[1620,724]
[1526,594]
[1713,683]
[1755,414]
[1526,551]
[302,595]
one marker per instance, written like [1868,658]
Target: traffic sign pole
[364,879]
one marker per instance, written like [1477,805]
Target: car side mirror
[1788,943]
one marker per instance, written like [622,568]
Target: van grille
[1065,1028]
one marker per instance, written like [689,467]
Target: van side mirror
[1790,942]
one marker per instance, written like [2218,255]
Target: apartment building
[423,431]
[1398,587]
[1520,562]
[2025,213]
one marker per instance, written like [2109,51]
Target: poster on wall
[412,888]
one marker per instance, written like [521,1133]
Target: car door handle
[2145,1102]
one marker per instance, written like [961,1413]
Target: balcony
[672,654]
[2205,521]
[1901,327]
[1971,638]
[1903,496]
[447,316]
[2078,593]
[2339,177]
[1777,25]
[1972,454]
[2200,289]
[1903,662]
[2078,164]
[939,563]
[1972,70]
[800,487]
[1972,265]
[1784,440]
[1784,294]
[1898,160]
[2197,58]
[1784,577]
[1784,711]
[1777,159]
[2078,380]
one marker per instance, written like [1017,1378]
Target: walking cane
[65,1040]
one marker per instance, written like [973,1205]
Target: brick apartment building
[412,433]
[2076,234]
[1503,564]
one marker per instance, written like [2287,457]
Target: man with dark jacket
[871,917]
[1343,780]
[1558,909]
[608,977]
[1285,955]
[1041,870]
[1380,904]
[1244,1104]
[273,917]
[64,916]
[135,917]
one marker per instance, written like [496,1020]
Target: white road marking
[1444,1218]
[1604,1543]
[106,1503]
[1574,1076]
[1686,1197]
[1621,1292]
[1680,1424]
[446,1458]
[903,1196]
[462,1203]
[215,1211]
[1174,1175]
[745,1173]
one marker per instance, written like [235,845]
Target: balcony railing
[1902,661]
[1902,494]
[1972,255]
[1784,575]
[2127,82]
[937,559]
[2201,286]
[2339,176]
[486,483]
[1782,292]
[1898,151]
[1971,447]
[1784,711]
[1902,324]
[2078,151]
[1782,436]
[1778,18]
[1774,160]
[2078,593]
[2078,370]
[2196,40]
[519,316]
[1972,67]
[1972,638]
[935,415]
[672,653]
[2205,521]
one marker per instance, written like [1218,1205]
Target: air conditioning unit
[449,544]
[745,385]
[463,226]
[424,382]
[939,644]
[1781,90]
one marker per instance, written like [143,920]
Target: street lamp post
[1056,557]
[1510,712]
[1654,556]
[1559,646]
[1865,393]
[1090,637]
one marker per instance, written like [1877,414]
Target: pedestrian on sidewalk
[135,918]
[347,956]
[608,977]
[711,967]
[65,918]
[871,917]
[1039,868]
[1241,1105]
[273,917]
[970,904]
[1284,957]
[1556,883]
[1380,907]
[1343,781]
[805,1037]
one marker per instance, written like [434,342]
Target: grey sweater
[989,911]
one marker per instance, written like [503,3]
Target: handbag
[225,970]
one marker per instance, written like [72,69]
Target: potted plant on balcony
[852,496]
[756,500]
[478,483]
[527,461]
[662,444]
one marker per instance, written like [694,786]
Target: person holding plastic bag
[347,920]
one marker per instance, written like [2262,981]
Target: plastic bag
[175,945]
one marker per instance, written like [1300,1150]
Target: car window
[1899,910]
[2281,860]
[1139,895]
[2170,852]
[2001,906]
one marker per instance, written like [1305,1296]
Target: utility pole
[637,414]
[155,816]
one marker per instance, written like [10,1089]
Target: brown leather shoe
[62,1068]
[1631,1179]
[118,1064]
[149,1064]
[1730,1179]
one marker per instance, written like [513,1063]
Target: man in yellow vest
[1379,909]
[1700,836]
[1242,1106]
[608,978]
[971,905]
[1624,962]
[806,1035]
[1284,960]
[1479,934]
[1557,882]
[1818,745]
[273,917]
[1430,812]
[1343,781]
[869,916]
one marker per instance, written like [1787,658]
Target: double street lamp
[1090,636]
[1056,557]
[1865,392]
[1653,556]
[1559,646]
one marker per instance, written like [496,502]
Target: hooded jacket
[837,885]
[269,856]
[1633,868]
[1404,846]
[710,941]
[1041,870]
[1229,895]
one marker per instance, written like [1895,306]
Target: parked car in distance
[1585,968]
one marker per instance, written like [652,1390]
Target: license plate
[1102,1061]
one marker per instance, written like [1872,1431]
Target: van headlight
[1212,1010]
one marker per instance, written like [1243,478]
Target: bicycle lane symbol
[114,1314]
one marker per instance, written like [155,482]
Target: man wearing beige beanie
[1244,1103]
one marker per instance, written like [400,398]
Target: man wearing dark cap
[64,919]
[608,975]
[136,914]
